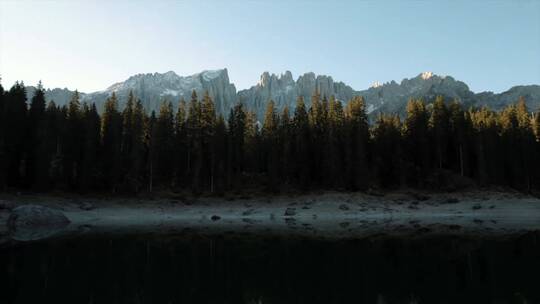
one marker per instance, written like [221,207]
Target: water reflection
[195,269]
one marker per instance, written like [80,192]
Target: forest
[325,146]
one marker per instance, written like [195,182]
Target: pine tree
[91,124]
[194,131]
[208,122]
[252,143]
[287,146]
[387,150]
[488,166]
[271,144]
[439,127]
[335,156]
[219,154]
[73,142]
[138,147]
[536,126]
[460,125]
[15,111]
[358,134]
[526,139]
[55,139]
[37,156]
[164,144]
[181,144]
[318,120]
[301,135]
[415,133]
[111,136]
[150,142]
[237,134]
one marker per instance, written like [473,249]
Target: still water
[218,269]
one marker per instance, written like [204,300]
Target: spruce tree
[73,142]
[37,155]
[237,134]
[111,136]
[270,139]
[301,135]
[194,130]
[208,122]
[91,123]
[138,147]
[287,146]
[181,144]
[358,135]
[335,156]
[459,124]
[15,113]
[164,144]
[439,127]
[387,150]
[417,150]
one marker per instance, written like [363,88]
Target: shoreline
[328,215]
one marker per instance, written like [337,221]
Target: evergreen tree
[252,143]
[219,154]
[237,134]
[55,139]
[287,146]
[439,127]
[194,130]
[488,165]
[387,150]
[208,123]
[91,123]
[133,148]
[15,110]
[111,136]
[164,144]
[358,135]
[536,126]
[138,147]
[301,134]
[460,125]
[271,144]
[73,142]
[415,133]
[318,120]
[335,156]
[181,143]
[37,155]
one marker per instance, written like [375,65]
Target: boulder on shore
[33,222]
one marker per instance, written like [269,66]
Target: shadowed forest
[327,145]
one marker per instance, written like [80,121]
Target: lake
[194,268]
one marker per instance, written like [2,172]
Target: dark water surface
[197,269]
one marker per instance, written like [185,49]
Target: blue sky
[88,45]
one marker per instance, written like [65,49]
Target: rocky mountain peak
[391,97]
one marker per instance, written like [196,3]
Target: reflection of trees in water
[218,270]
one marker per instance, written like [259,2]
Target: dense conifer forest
[329,146]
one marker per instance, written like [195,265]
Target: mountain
[389,97]
[284,90]
[152,89]
[392,97]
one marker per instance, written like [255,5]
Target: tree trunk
[461,159]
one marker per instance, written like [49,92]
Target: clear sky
[89,45]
